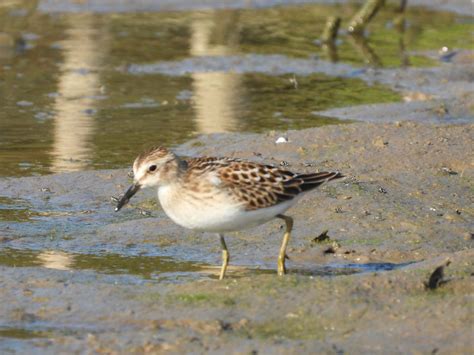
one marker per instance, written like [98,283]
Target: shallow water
[70,103]
[163,269]
[15,210]
[146,267]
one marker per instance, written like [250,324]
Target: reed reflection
[57,260]
[78,90]
[216,94]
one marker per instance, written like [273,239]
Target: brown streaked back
[257,185]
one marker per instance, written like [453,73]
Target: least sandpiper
[222,194]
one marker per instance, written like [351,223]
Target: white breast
[222,215]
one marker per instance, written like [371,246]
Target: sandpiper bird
[222,194]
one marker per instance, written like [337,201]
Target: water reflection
[7,46]
[79,85]
[216,94]
[168,269]
[146,267]
[57,260]
[361,46]
[52,67]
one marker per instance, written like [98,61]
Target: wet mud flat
[76,276]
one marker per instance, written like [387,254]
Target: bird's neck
[173,171]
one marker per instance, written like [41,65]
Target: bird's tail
[310,181]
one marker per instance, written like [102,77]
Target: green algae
[301,327]
[191,299]
[22,333]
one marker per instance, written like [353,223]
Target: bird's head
[154,167]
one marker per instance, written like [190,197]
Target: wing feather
[257,185]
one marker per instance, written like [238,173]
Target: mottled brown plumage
[257,185]
[222,194]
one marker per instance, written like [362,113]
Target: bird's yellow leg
[225,257]
[286,238]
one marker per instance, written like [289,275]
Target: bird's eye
[152,168]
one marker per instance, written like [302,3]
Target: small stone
[448,171]
[321,237]
[437,279]
[281,140]
[379,142]
[332,249]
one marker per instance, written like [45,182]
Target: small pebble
[379,142]
[281,140]
[448,171]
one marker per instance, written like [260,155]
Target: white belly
[219,217]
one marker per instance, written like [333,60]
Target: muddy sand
[404,209]
[77,277]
